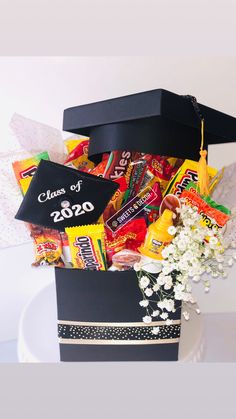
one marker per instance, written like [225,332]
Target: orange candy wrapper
[211,217]
[99,170]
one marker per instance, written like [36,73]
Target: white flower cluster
[195,252]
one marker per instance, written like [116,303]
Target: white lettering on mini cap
[77,186]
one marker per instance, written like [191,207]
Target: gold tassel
[203,177]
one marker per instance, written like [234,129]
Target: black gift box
[99,316]
[100,319]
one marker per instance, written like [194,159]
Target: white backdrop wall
[40,88]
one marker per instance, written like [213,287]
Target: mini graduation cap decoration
[155,122]
[60,197]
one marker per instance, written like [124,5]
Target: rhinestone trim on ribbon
[93,333]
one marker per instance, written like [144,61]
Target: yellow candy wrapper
[188,173]
[78,154]
[24,184]
[72,143]
[87,246]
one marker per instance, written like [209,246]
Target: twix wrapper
[87,246]
[188,173]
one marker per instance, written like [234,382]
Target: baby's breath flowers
[195,254]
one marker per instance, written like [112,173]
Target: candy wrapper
[136,178]
[78,154]
[99,170]
[143,170]
[116,201]
[193,188]
[125,260]
[211,216]
[65,248]
[60,197]
[47,246]
[25,169]
[87,247]
[118,163]
[161,168]
[151,212]
[188,173]
[47,242]
[133,208]
[130,237]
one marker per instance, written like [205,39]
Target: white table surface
[37,341]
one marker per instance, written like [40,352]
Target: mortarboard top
[156,121]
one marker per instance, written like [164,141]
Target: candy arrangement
[131,211]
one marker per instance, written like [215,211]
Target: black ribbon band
[118,333]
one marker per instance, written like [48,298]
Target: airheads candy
[87,246]
[188,173]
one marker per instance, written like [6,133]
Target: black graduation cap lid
[60,197]
[156,122]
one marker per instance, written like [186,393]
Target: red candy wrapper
[130,236]
[161,169]
[160,166]
[47,246]
[118,163]
[115,203]
[152,211]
